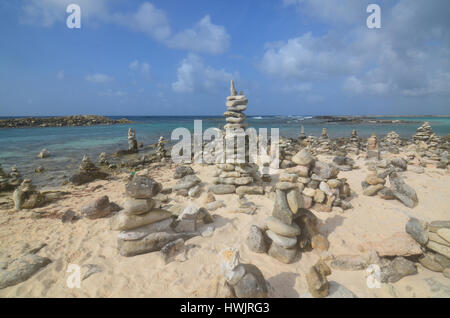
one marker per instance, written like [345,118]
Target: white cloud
[409,56]
[112,93]
[148,19]
[99,78]
[193,75]
[203,37]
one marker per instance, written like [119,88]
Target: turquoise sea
[20,146]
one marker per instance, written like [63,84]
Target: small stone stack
[232,176]
[144,226]
[374,184]
[243,280]
[318,285]
[373,150]
[354,143]
[188,183]
[434,237]
[324,142]
[88,172]
[392,142]
[27,197]
[15,178]
[103,159]
[424,133]
[132,142]
[160,150]
[302,135]
[319,183]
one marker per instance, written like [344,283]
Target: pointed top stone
[233,91]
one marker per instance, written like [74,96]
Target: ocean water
[20,146]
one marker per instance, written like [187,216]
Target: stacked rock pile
[302,134]
[373,149]
[287,151]
[10,181]
[430,146]
[144,226]
[318,285]
[103,159]
[243,280]
[374,184]
[27,197]
[236,177]
[188,183]
[354,143]
[88,172]
[160,150]
[132,141]
[392,142]
[423,133]
[325,145]
[319,183]
[434,237]
[343,163]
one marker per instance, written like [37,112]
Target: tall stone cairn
[373,150]
[424,133]
[235,177]
[132,142]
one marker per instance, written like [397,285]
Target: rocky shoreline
[61,121]
[362,120]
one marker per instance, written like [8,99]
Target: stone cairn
[324,142]
[318,285]
[103,159]
[354,144]
[9,182]
[235,177]
[434,237]
[160,150]
[373,150]
[132,141]
[88,172]
[430,146]
[243,280]
[27,197]
[392,142]
[145,227]
[374,184]
[188,183]
[302,135]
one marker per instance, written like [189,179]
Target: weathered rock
[150,243]
[44,154]
[222,189]
[397,269]
[21,269]
[212,206]
[438,239]
[320,243]
[303,157]
[281,208]
[282,254]
[258,190]
[317,281]
[400,163]
[386,194]
[399,244]
[99,208]
[294,199]
[182,171]
[138,206]
[402,191]
[123,222]
[276,225]
[186,183]
[142,187]
[373,189]
[324,170]
[336,290]
[418,230]
[252,285]
[434,262]
[68,216]
[171,249]
[444,233]
[256,241]
[439,248]
[435,225]
[143,231]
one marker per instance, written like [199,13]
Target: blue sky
[173,57]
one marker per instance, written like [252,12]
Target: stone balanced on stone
[144,226]
[9,182]
[132,142]
[231,176]
[88,172]
[244,280]
[160,150]
[27,197]
[373,150]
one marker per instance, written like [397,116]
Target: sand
[197,273]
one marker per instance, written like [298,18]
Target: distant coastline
[60,121]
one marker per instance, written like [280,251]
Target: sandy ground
[198,273]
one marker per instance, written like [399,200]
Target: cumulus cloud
[99,78]
[409,56]
[203,37]
[143,67]
[193,74]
